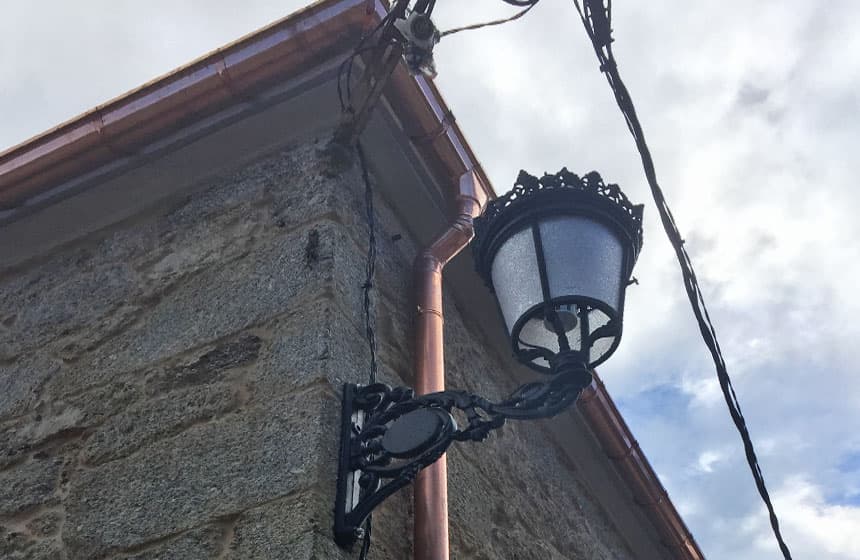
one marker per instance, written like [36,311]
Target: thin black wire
[397,10]
[347,64]
[346,107]
[369,319]
[597,21]
[365,543]
[370,268]
[514,17]
[345,68]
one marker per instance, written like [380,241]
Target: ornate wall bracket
[388,434]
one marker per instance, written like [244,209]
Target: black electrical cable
[597,20]
[370,268]
[365,542]
[367,287]
[347,64]
[514,17]
[397,11]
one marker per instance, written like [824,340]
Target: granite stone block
[28,485]
[158,418]
[219,302]
[199,543]
[16,545]
[206,365]
[206,472]
[46,524]
[21,382]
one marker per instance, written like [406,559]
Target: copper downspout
[431,486]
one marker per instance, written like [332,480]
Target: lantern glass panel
[600,347]
[515,276]
[583,258]
[539,332]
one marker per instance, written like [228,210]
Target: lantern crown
[521,202]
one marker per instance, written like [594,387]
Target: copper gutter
[621,447]
[431,486]
[229,75]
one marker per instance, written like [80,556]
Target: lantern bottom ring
[586,331]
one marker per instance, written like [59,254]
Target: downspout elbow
[471,198]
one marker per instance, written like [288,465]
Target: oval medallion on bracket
[416,431]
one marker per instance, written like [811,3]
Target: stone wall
[171,389]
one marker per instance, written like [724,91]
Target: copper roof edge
[159,81]
[622,448]
[118,127]
[174,100]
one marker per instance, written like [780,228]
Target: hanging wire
[370,267]
[384,39]
[365,542]
[597,20]
[514,17]
[367,287]
[344,73]
[381,39]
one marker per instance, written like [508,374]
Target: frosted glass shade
[584,258]
[558,254]
[583,271]
[517,286]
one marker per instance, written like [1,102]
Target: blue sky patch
[850,462]
[660,400]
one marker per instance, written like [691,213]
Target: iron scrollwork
[527,185]
[389,435]
[520,200]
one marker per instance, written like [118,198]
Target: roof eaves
[120,127]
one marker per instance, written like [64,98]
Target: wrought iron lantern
[558,252]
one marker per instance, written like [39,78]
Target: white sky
[752,112]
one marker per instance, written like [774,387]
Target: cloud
[707,459]
[56,63]
[821,527]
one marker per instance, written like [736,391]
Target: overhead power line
[514,17]
[597,19]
